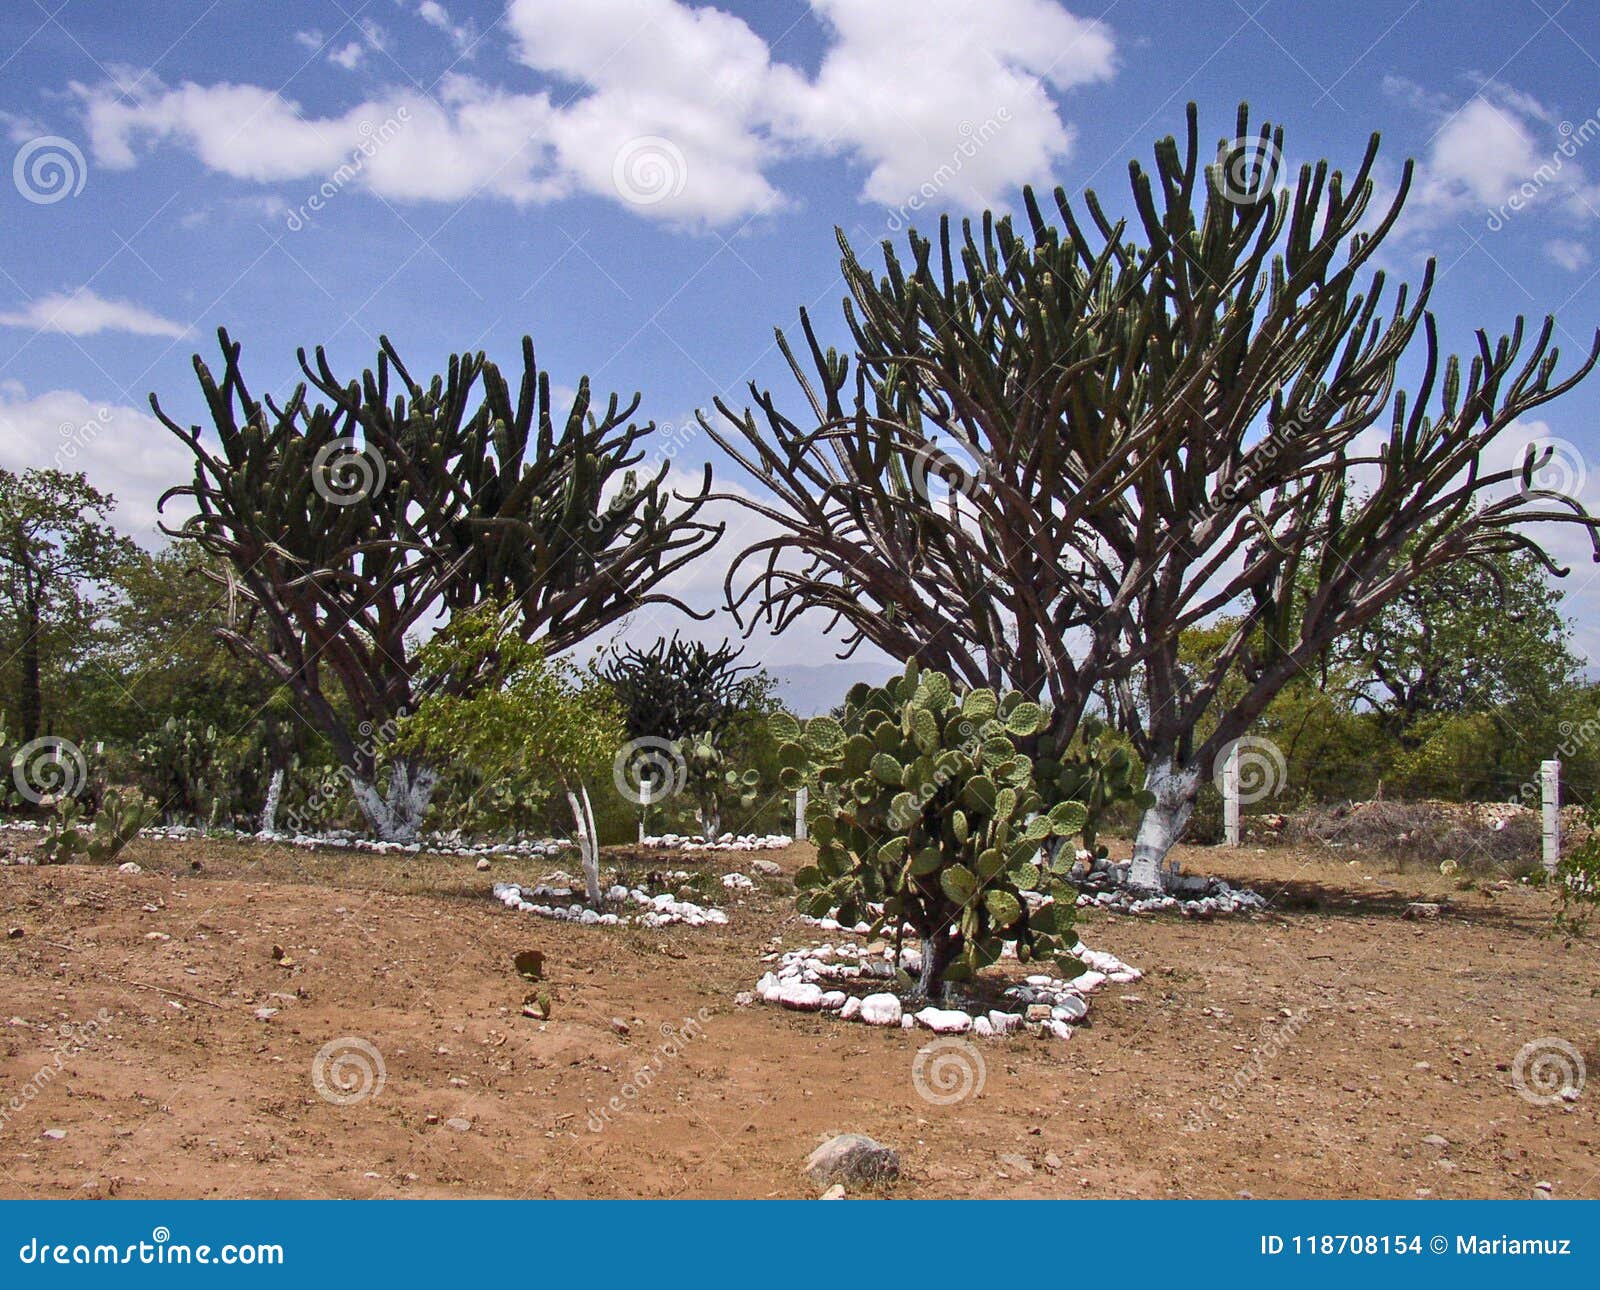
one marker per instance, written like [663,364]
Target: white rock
[982,1026]
[944,1021]
[908,1022]
[1060,1029]
[1005,1023]
[483,864]
[851,1009]
[1088,981]
[129,867]
[800,996]
[881,1010]
[833,1000]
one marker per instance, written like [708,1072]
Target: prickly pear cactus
[116,824]
[933,810]
[1096,770]
[714,784]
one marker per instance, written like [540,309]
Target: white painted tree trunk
[802,799]
[588,852]
[269,812]
[1162,822]
[397,816]
[1550,803]
[710,824]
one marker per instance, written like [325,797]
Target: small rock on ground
[853,1159]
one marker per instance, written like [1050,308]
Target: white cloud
[349,56]
[462,35]
[83,313]
[1570,255]
[121,450]
[1496,158]
[679,110]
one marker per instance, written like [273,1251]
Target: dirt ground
[1322,1049]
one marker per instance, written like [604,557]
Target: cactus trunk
[938,952]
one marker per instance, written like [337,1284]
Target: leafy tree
[498,703]
[933,811]
[348,524]
[1054,450]
[57,553]
[1465,638]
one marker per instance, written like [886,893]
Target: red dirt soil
[1308,1051]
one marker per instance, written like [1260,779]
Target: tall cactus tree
[1054,449]
[355,512]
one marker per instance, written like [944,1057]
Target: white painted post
[1550,786]
[802,799]
[1230,796]
[644,806]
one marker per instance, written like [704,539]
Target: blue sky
[648,187]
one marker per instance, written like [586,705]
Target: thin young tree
[1053,450]
[353,514]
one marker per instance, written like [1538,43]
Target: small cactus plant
[116,824]
[933,811]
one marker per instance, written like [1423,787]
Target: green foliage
[57,553]
[117,822]
[933,810]
[1097,769]
[1577,880]
[525,722]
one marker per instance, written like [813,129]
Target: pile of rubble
[841,978]
[727,842]
[1103,884]
[649,911]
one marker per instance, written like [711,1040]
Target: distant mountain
[810,689]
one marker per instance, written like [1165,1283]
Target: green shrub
[929,807]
